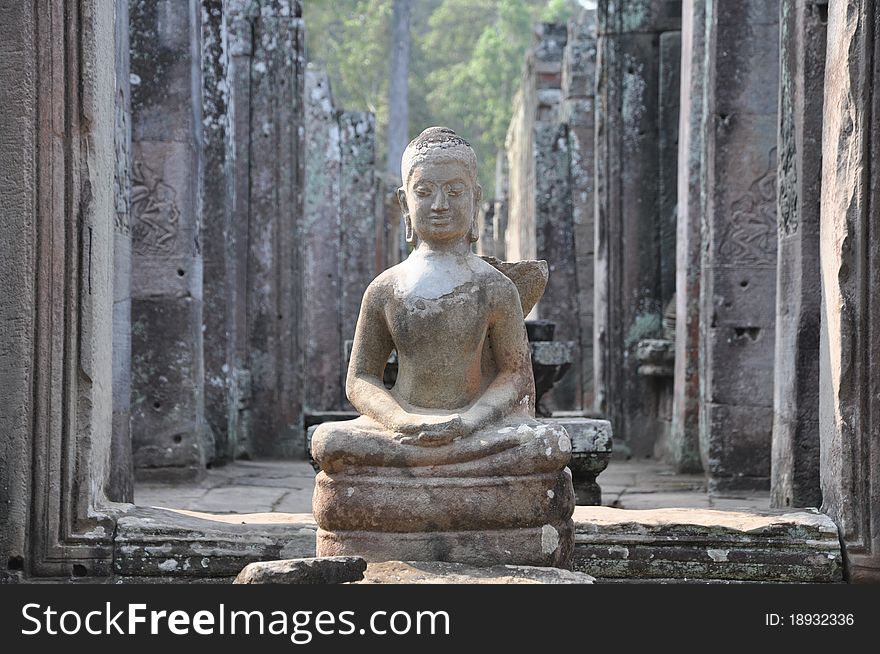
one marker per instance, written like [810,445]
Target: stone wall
[634,258]
[738,269]
[169,432]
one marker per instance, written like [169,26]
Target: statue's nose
[441,202]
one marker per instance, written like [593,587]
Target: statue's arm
[513,389]
[369,354]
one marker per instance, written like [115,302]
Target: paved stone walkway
[286,487]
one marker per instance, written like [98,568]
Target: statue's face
[441,200]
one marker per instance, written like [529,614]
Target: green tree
[466,61]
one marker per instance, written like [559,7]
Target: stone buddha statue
[449,464]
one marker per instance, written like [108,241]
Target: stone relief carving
[121,177]
[154,212]
[750,235]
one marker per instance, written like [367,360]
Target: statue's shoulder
[383,282]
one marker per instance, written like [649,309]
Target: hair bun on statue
[439,143]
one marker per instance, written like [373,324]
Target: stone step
[706,545]
[612,545]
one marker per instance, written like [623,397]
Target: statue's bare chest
[456,320]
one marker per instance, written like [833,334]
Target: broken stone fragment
[322,570]
[437,572]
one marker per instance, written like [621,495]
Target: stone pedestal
[795,453]
[169,432]
[590,454]
[849,405]
[738,270]
[519,520]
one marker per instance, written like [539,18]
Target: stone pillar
[358,218]
[121,486]
[849,406]
[554,236]
[539,213]
[795,451]
[667,145]
[629,254]
[266,79]
[169,433]
[738,281]
[57,209]
[218,235]
[324,349]
[578,113]
[684,442]
[499,211]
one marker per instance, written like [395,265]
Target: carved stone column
[266,80]
[56,270]
[795,461]
[121,487]
[849,372]
[738,276]
[685,434]
[170,435]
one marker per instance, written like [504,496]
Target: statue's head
[440,195]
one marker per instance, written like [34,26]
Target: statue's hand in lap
[431,431]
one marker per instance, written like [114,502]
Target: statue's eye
[423,191]
[455,191]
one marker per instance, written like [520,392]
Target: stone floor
[286,487]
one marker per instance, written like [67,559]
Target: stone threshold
[155,545]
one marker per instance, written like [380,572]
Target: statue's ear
[401,198]
[478,198]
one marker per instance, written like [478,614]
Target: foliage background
[466,61]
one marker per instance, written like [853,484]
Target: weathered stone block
[167,382]
[324,570]
[737,453]
[706,546]
[638,16]
[166,546]
[437,572]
